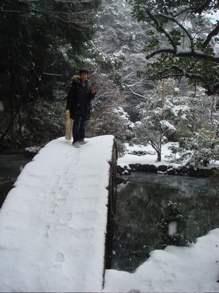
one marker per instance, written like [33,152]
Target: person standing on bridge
[79,104]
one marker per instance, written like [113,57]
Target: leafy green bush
[173,226]
[37,124]
[44,121]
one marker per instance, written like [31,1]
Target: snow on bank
[175,269]
[151,157]
[53,223]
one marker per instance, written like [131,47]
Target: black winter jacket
[79,99]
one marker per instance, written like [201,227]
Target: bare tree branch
[213,33]
[134,93]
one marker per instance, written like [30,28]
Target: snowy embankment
[150,156]
[175,269]
[53,223]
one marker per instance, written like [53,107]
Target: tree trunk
[158,156]
[163,96]
[194,123]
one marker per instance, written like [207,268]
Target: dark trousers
[79,129]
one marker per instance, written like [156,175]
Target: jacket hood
[76,79]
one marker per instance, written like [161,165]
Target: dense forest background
[155,67]
[42,44]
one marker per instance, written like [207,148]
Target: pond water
[10,167]
[140,200]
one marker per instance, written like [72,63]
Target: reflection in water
[11,166]
[138,210]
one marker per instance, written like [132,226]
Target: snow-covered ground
[52,230]
[151,157]
[175,269]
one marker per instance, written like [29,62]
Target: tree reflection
[140,202]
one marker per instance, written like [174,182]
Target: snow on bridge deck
[53,223]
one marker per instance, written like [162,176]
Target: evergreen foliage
[173,226]
[183,40]
[37,40]
[190,118]
[39,123]
[198,148]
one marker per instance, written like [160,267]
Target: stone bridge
[56,223]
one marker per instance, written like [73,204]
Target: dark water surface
[139,203]
[10,167]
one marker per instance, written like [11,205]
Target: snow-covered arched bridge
[53,223]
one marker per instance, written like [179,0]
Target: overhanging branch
[157,52]
[185,53]
[201,8]
[183,72]
[162,29]
[211,89]
[213,33]
[197,54]
[181,26]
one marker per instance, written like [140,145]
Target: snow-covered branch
[185,53]
[212,89]
[183,31]
[202,7]
[183,72]
[213,33]
[181,26]
[162,29]
[134,93]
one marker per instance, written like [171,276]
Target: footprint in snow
[45,231]
[62,196]
[52,207]
[64,221]
[58,260]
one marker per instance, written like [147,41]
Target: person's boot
[76,144]
[83,142]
